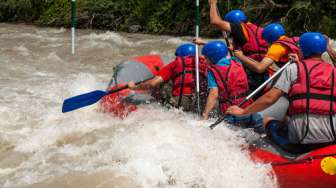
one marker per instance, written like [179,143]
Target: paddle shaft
[87,99]
[126,86]
[261,87]
[266,83]
[228,43]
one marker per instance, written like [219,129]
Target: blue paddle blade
[83,100]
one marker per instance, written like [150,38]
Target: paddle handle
[228,43]
[126,86]
[261,87]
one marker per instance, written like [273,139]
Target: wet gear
[291,45]
[255,47]
[314,90]
[215,51]
[235,16]
[273,32]
[312,43]
[232,84]
[184,75]
[187,49]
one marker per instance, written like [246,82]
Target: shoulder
[276,45]
[293,68]
[225,62]
[276,48]
[291,72]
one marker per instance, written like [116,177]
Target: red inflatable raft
[137,69]
[315,169]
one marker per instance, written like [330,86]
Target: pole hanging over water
[73,25]
[197,59]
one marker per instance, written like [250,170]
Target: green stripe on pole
[73,13]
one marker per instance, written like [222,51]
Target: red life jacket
[184,78]
[314,90]
[255,47]
[291,44]
[232,84]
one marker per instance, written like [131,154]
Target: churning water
[153,147]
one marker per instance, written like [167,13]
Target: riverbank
[168,17]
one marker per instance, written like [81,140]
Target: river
[153,147]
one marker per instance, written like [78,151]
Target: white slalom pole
[197,60]
[73,25]
[72,40]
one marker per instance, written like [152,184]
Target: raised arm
[215,19]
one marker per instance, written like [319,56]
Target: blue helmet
[312,43]
[215,50]
[273,32]
[187,49]
[235,16]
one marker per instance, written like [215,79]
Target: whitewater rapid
[153,147]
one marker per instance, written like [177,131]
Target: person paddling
[277,56]
[247,38]
[227,83]
[277,53]
[310,85]
[181,72]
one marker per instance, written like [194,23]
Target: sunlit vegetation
[170,16]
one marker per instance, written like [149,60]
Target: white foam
[53,31]
[148,41]
[92,44]
[52,58]
[22,50]
[109,36]
[168,148]
[175,41]
[154,52]
[153,147]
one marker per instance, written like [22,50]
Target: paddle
[228,44]
[87,99]
[212,126]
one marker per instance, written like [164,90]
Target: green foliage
[57,13]
[171,16]
[13,10]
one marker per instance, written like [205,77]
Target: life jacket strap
[313,96]
[231,98]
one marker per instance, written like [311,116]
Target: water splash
[109,36]
[153,147]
